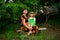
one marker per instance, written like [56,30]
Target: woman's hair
[24,9]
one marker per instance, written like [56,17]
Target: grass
[55,23]
[42,35]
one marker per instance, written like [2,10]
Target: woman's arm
[23,22]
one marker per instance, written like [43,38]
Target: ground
[49,34]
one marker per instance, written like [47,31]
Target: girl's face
[25,11]
[31,15]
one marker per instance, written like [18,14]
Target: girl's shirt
[32,21]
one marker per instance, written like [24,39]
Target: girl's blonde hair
[32,13]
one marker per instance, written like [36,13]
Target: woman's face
[25,11]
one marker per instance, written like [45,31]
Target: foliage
[10,12]
[10,16]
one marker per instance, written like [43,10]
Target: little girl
[32,22]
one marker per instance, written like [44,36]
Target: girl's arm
[35,19]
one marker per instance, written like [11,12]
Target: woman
[24,20]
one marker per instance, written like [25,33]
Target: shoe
[29,32]
[42,28]
[19,30]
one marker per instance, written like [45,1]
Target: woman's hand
[30,28]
